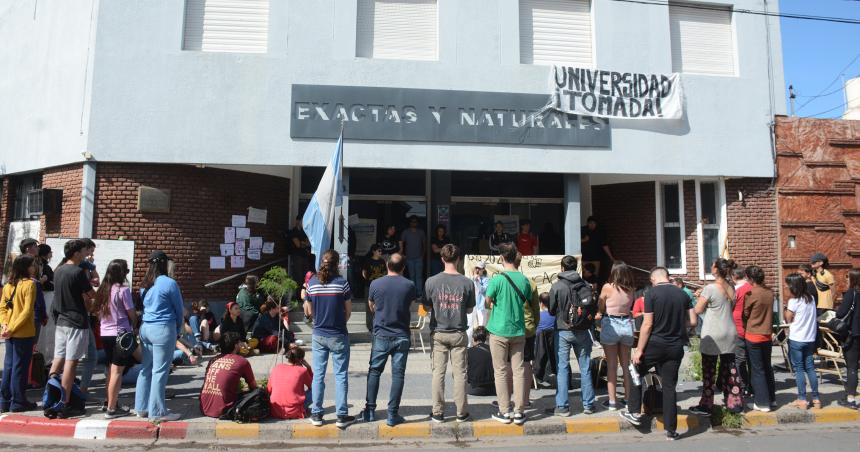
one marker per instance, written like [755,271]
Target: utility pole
[791,98]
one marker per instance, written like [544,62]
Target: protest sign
[542,270]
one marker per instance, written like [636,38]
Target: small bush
[276,283]
[726,419]
[694,371]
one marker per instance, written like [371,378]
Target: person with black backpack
[220,390]
[572,303]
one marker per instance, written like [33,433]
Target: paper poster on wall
[229,235]
[237,261]
[511,223]
[268,247]
[240,247]
[238,221]
[243,233]
[364,231]
[257,215]
[255,243]
[217,262]
[226,249]
[254,255]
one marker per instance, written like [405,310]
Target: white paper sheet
[217,262]
[257,215]
[268,247]
[226,249]
[254,255]
[240,247]
[229,235]
[243,233]
[255,243]
[237,261]
[238,221]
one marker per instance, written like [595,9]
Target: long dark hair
[854,279]
[116,273]
[724,267]
[797,286]
[329,266]
[621,276]
[157,267]
[21,269]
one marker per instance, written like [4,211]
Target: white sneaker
[170,417]
[762,409]
[140,414]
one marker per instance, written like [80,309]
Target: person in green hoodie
[249,300]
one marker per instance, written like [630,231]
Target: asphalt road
[776,439]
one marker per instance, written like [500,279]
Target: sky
[816,53]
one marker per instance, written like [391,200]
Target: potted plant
[276,283]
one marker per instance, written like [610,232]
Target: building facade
[231,104]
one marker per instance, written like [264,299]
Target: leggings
[852,358]
[725,378]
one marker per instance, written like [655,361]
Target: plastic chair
[419,325]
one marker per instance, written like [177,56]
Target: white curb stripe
[91,429]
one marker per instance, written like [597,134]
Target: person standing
[440,239]
[390,298]
[329,303]
[298,248]
[249,300]
[806,271]
[162,320]
[718,341]
[116,316]
[800,313]
[569,300]
[758,323]
[70,311]
[527,242]
[498,237]
[616,327]
[46,346]
[389,243]
[478,317]
[507,295]
[413,244]
[374,268]
[450,299]
[595,249]
[18,329]
[824,281]
[742,289]
[851,349]
[662,337]
[89,361]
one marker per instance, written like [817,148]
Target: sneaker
[300,342]
[169,417]
[634,419]
[558,411]
[510,408]
[700,410]
[848,404]
[317,420]
[438,418]
[344,421]
[395,420]
[672,436]
[104,406]
[611,406]
[367,415]
[588,410]
[118,412]
[29,406]
[464,417]
[70,412]
[503,418]
[519,419]
[765,409]
[773,406]
[140,414]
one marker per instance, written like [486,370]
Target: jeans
[88,364]
[16,365]
[509,371]
[667,360]
[194,322]
[742,363]
[416,274]
[852,358]
[338,348]
[158,341]
[383,347]
[581,342]
[445,345]
[761,373]
[803,363]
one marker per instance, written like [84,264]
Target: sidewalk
[185,383]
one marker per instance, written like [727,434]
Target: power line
[842,20]
[834,108]
[838,75]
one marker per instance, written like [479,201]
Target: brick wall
[69,179]
[202,202]
[626,212]
[752,225]
[6,200]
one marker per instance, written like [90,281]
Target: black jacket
[847,299]
[560,297]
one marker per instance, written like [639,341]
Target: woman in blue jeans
[162,320]
[800,312]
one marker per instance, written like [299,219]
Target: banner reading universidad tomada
[610,94]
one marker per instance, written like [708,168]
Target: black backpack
[251,407]
[580,311]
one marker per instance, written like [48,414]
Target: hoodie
[560,296]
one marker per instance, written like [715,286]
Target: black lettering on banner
[654,88]
[620,108]
[604,106]
[563,82]
[635,108]
[625,81]
[573,76]
[604,81]
[592,81]
[616,79]
[589,98]
[647,108]
[666,84]
[658,103]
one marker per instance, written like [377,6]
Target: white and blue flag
[320,217]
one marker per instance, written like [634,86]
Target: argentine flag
[320,217]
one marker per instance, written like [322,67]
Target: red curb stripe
[15,424]
[173,430]
[131,430]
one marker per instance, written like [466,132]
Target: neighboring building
[818,192]
[852,96]
[232,104]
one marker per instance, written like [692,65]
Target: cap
[157,256]
[818,257]
[26,243]
[481,265]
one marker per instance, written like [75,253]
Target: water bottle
[634,375]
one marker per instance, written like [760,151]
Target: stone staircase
[356,325]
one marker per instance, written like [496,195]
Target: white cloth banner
[610,94]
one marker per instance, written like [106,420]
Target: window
[670,226]
[702,41]
[398,29]
[240,26]
[555,32]
[23,185]
[710,205]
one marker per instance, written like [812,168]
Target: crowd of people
[497,334]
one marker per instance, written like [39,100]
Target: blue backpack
[52,399]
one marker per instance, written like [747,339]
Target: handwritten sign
[238,221]
[229,235]
[542,270]
[268,248]
[255,243]
[217,262]
[226,249]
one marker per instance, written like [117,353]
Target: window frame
[593,50]
[734,35]
[375,57]
[722,227]
[661,252]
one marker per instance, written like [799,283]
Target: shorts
[529,351]
[71,343]
[616,330]
[109,343]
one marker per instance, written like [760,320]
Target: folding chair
[417,327]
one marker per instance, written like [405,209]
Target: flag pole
[341,220]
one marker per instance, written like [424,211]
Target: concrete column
[572,215]
[88,200]
[295,192]
[585,209]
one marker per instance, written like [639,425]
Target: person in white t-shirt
[800,312]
